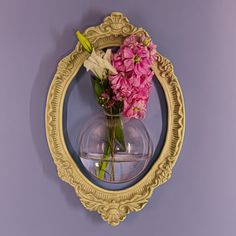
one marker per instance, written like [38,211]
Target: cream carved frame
[113,206]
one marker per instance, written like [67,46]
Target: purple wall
[199,37]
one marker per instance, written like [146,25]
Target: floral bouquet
[121,81]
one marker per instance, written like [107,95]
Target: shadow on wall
[64,44]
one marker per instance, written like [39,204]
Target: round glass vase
[115,149]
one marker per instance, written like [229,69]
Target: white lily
[100,64]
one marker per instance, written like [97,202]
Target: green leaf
[119,134]
[85,43]
[117,108]
[97,87]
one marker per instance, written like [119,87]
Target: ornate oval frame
[113,208]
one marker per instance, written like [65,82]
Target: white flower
[100,64]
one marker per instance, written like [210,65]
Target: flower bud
[85,43]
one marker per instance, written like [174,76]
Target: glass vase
[114,148]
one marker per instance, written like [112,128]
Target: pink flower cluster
[132,83]
[106,100]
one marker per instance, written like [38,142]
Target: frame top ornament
[113,208]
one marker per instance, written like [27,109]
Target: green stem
[114,133]
[107,150]
[103,163]
[113,149]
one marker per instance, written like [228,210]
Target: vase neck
[108,115]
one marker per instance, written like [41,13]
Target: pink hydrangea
[132,83]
